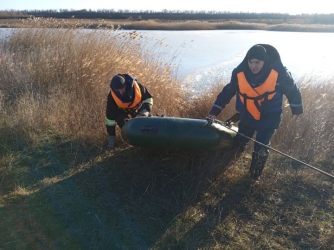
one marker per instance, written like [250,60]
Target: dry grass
[60,190]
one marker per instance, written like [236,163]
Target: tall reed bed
[57,80]
[311,136]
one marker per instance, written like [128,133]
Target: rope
[210,120]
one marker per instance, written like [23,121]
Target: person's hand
[143,113]
[212,116]
[210,119]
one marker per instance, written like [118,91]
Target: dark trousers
[263,136]
[121,118]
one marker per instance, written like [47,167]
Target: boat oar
[227,125]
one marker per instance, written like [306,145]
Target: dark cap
[117,82]
[257,52]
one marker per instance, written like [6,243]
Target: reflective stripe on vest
[252,98]
[129,105]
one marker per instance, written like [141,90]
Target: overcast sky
[258,6]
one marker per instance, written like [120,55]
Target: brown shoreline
[269,25]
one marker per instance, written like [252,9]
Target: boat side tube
[177,133]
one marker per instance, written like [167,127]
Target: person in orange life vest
[259,83]
[127,98]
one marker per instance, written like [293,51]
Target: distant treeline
[166,15]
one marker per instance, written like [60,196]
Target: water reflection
[214,54]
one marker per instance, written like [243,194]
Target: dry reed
[57,79]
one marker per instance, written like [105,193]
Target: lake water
[204,55]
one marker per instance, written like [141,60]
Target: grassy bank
[257,24]
[59,188]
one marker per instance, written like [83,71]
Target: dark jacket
[271,110]
[113,111]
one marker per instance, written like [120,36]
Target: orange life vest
[129,105]
[252,98]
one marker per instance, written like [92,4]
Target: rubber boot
[257,166]
[111,141]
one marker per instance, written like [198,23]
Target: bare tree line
[166,15]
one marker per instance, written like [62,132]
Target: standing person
[259,83]
[127,99]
